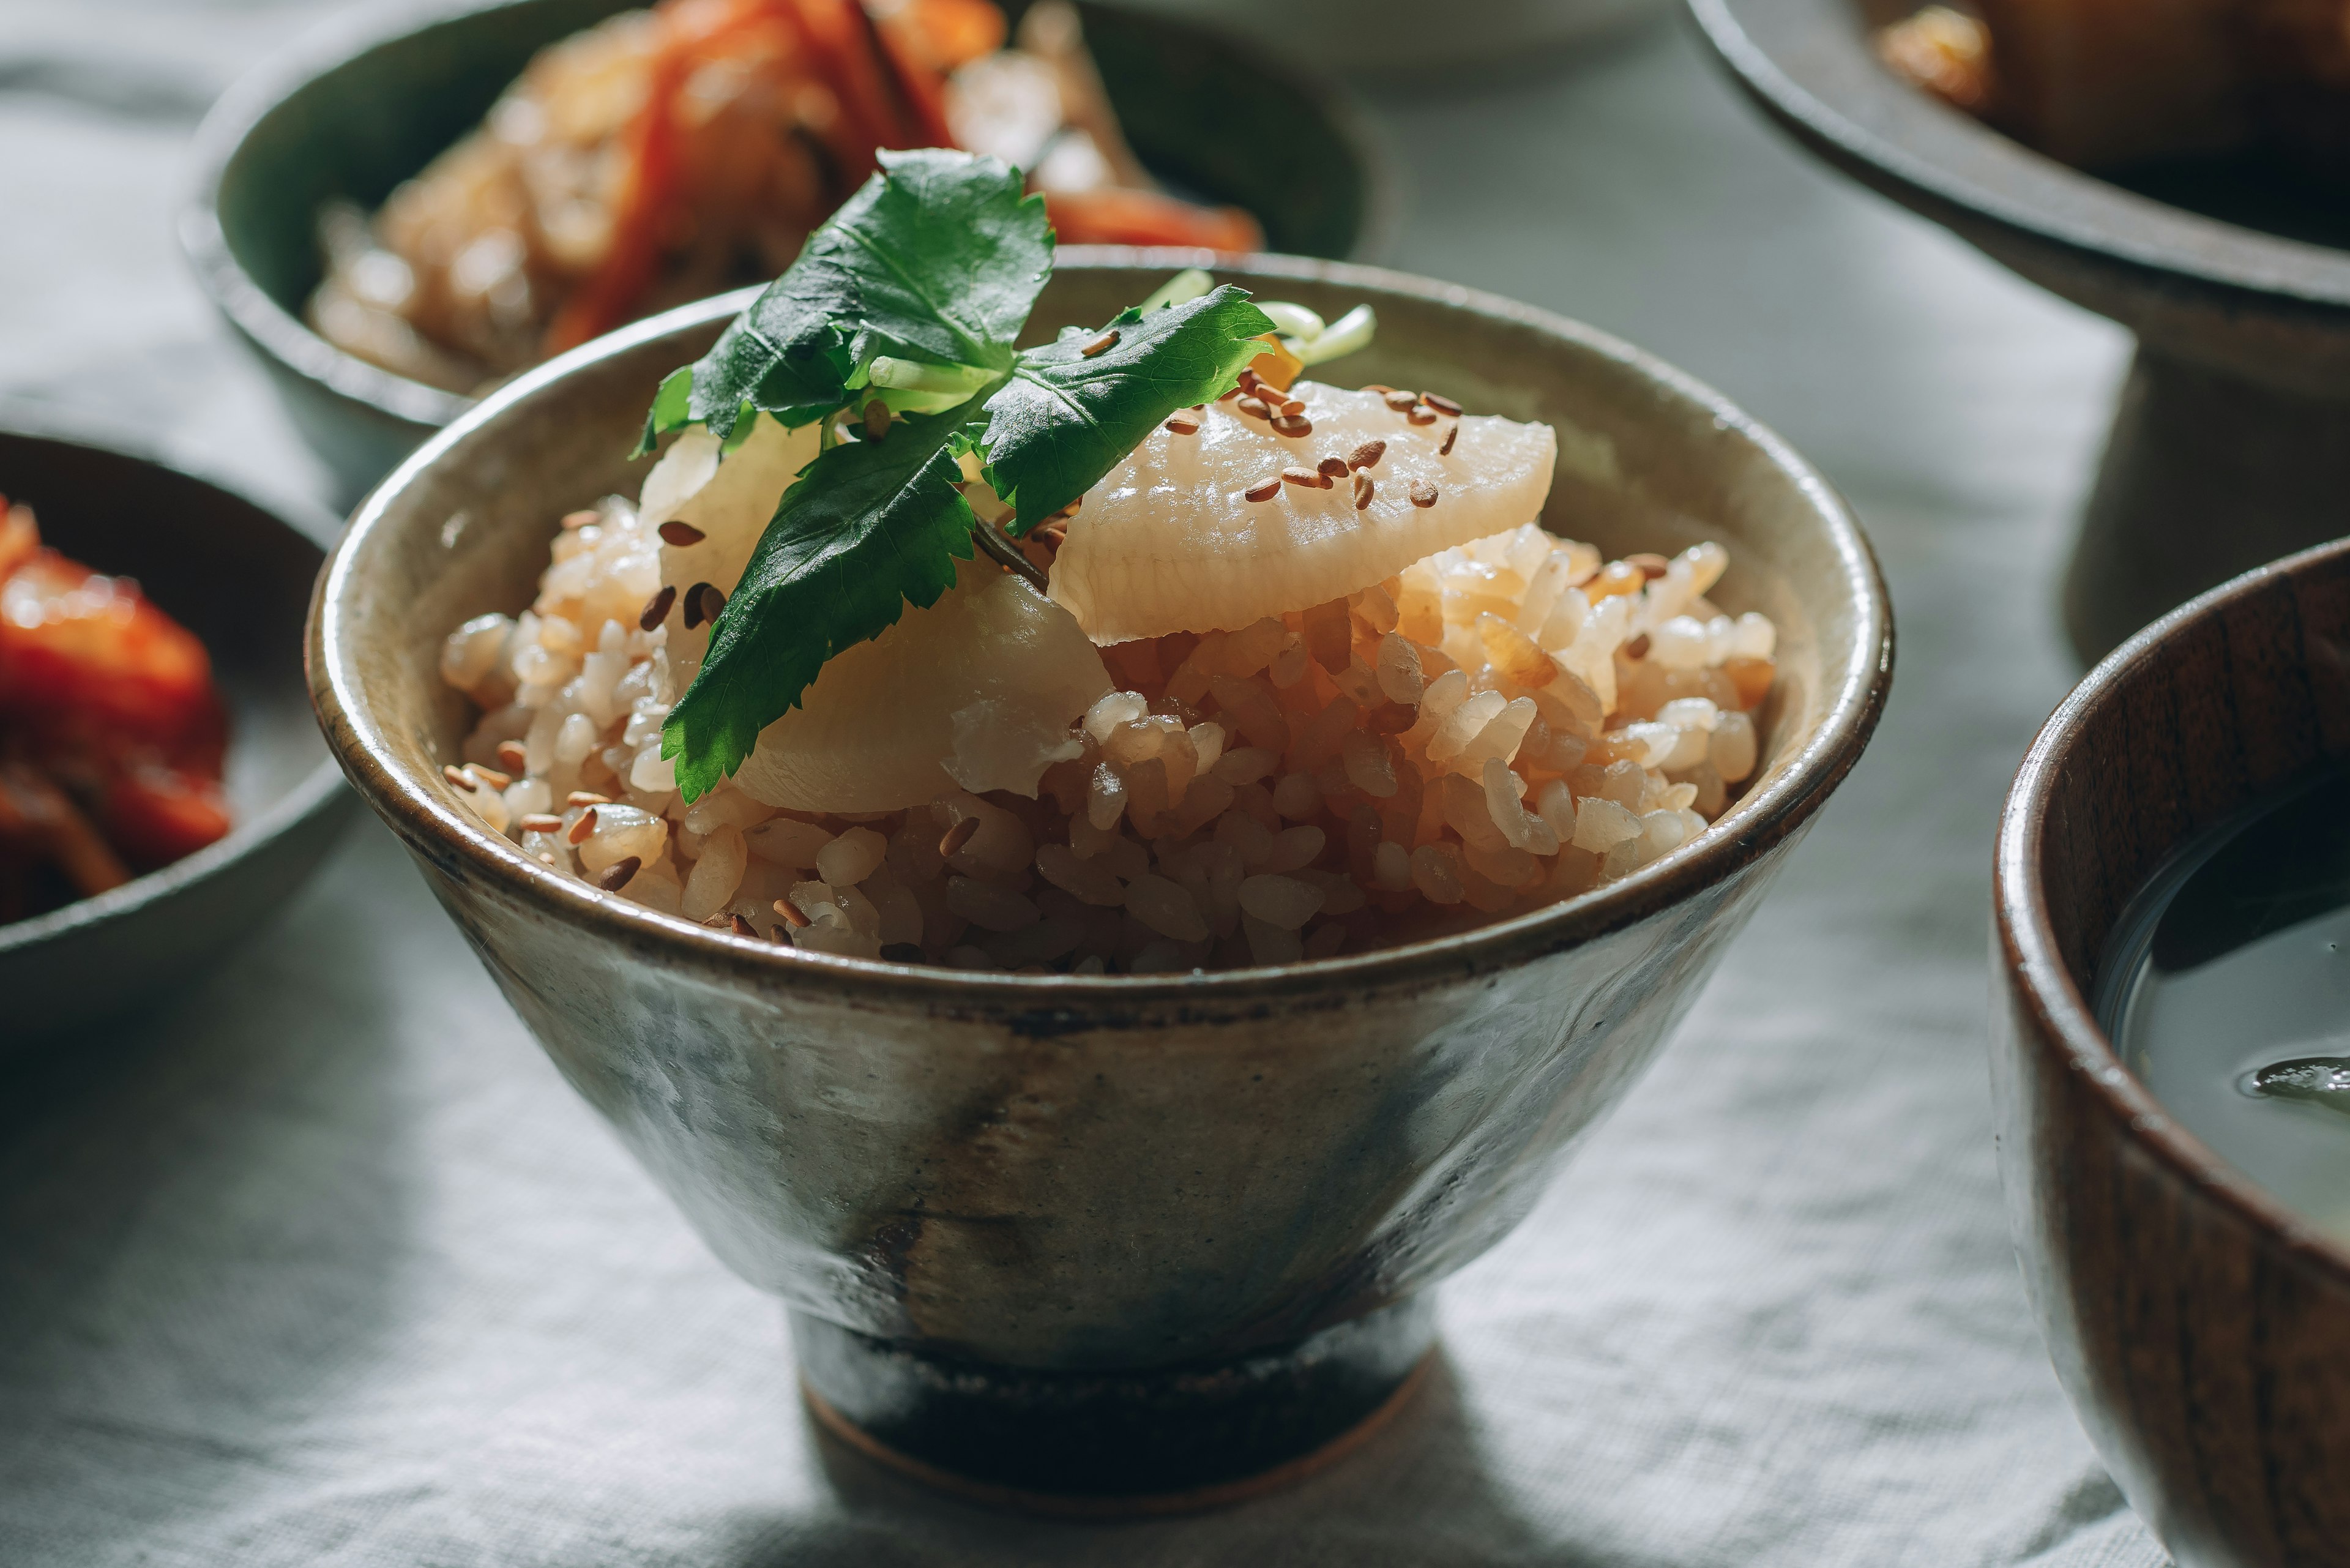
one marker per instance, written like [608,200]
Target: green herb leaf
[914,294]
[1065,420]
[869,527]
[936,259]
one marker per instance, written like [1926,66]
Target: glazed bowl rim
[1852,699]
[313,792]
[2033,964]
[282,335]
[1898,130]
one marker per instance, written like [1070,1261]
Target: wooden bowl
[2202,1330]
[238,575]
[353,112]
[2226,448]
[1110,1238]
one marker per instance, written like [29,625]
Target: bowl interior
[1811,64]
[2220,705]
[1647,460]
[228,571]
[353,119]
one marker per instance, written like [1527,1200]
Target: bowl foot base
[2205,475]
[1113,1444]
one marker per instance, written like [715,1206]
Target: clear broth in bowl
[2227,991]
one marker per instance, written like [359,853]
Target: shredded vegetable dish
[668,155]
[111,734]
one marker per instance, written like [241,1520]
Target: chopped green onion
[1292,320]
[1344,336]
[912,376]
[1181,289]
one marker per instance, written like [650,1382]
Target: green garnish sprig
[913,294]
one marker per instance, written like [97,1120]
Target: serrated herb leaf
[1064,419]
[938,258]
[930,269]
[868,528]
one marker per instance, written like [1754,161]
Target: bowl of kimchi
[162,790]
[400,216]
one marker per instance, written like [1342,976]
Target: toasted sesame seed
[1652,565]
[1182,424]
[1101,345]
[656,608]
[540,822]
[490,776]
[1304,479]
[1441,405]
[618,874]
[1637,647]
[743,928]
[1290,406]
[1264,489]
[1422,492]
[1363,489]
[1227,397]
[1451,436]
[586,797]
[582,827]
[582,518]
[1254,408]
[457,776]
[713,602]
[877,419]
[1199,408]
[1249,379]
[682,535]
[695,613]
[955,838]
[1366,455]
[1403,402]
[1419,415]
[1292,426]
[512,757]
[791,915]
[1332,467]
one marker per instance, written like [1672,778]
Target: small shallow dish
[1088,1239]
[2226,448]
[353,112]
[237,575]
[2201,1329]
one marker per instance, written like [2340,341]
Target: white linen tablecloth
[321,1263]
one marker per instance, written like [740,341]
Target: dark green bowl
[238,575]
[353,112]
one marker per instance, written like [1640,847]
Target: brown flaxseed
[586,797]
[1450,435]
[1304,479]
[1254,408]
[713,602]
[582,828]
[1100,346]
[1293,427]
[1403,402]
[512,757]
[458,776]
[1441,405]
[955,838]
[1264,489]
[1421,415]
[656,608]
[1366,455]
[618,875]
[693,605]
[682,535]
[1422,493]
[491,776]
[1332,467]
[743,928]
[540,822]
[1185,423]
[1364,489]
[790,914]
[1637,647]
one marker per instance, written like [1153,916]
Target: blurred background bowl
[1406,40]
[1111,1235]
[352,113]
[2202,1328]
[237,575]
[2225,449]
